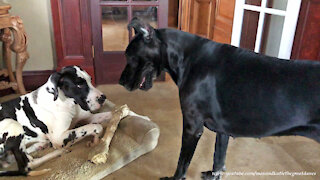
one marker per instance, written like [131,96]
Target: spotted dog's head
[76,83]
[143,57]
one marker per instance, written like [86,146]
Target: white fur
[13,128]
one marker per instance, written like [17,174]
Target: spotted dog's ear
[53,86]
[68,69]
[143,28]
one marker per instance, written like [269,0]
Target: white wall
[36,16]
[275,29]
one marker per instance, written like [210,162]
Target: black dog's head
[143,57]
[75,83]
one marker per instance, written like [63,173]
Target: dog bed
[134,137]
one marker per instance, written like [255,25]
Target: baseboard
[31,80]
[34,79]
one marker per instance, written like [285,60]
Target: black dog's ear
[142,27]
[53,86]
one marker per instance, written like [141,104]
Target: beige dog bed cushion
[134,137]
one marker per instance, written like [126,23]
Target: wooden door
[212,19]
[306,44]
[110,34]
[72,34]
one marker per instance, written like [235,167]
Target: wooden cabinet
[212,19]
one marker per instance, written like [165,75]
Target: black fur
[34,121]
[12,144]
[74,87]
[8,109]
[28,132]
[72,136]
[3,138]
[229,90]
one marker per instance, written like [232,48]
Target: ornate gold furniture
[14,39]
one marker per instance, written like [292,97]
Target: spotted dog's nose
[101,99]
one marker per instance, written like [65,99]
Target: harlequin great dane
[231,91]
[49,114]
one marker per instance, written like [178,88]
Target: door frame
[101,56]
[289,27]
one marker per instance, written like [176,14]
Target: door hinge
[92,48]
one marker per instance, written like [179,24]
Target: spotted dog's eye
[80,86]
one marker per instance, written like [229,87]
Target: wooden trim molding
[32,80]
[306,44]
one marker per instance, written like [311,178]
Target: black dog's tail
[21,173]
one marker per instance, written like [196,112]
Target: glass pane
[254,2]
[249,29]
[271,37]
[277,4]
[147,13]
[114,28]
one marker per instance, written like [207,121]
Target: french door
[111,36]
[266,26]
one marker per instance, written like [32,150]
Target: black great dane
[231,91]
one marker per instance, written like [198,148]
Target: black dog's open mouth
[146,82]
[143,82]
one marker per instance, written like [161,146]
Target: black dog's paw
[167,178]
[171,178]
[209,175]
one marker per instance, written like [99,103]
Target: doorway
[111,36]
[266,26]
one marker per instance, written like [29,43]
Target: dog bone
[100,153]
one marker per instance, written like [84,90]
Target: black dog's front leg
[219,158]
[190,137]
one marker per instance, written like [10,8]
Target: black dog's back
[254,95]
[267,95]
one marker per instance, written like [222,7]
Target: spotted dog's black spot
[3,138]
[95,131]
[8,109]
[80,68]
[28,132]
[84,133]
[70,138]
[34,121]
